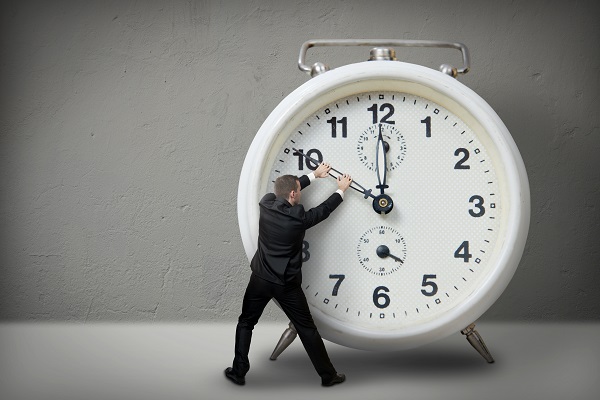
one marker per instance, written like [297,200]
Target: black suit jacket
[281,230]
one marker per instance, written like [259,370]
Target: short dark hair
[285,184]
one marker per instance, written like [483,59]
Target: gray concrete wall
[124,126]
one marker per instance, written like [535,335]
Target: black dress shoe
[338,378]
[238,380]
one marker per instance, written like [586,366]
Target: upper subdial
[394,143]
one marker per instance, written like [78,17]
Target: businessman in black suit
[277,271]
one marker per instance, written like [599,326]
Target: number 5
[434,287]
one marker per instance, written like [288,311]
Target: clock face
[429,253]
[442,226]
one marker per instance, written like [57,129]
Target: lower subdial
[381,250]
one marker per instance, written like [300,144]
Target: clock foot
[286,339]
[477,342]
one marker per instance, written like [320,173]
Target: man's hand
[344,182]
[322,170]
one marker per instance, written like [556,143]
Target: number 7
[340,278]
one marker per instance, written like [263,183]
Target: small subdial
[395,146]
[381,250]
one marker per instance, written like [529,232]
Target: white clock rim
[320,90]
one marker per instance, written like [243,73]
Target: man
[276,271]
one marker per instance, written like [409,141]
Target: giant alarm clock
[437,223]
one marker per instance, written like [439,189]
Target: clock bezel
[449,93]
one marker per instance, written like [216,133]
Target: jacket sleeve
[304,181]
[319,213]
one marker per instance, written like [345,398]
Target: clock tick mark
[456,123]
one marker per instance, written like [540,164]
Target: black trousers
[293,303]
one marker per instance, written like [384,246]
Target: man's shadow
[446,360]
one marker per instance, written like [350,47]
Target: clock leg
[477,342]
[286,339]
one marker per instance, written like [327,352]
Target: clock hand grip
[365,192]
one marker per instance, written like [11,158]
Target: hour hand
[354,185]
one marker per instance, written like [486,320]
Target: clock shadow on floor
[293,367]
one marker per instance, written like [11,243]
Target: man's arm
[322,211]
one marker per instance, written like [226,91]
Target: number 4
[463,252]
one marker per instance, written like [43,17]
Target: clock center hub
[383,204]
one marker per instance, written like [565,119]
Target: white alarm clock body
[460,193]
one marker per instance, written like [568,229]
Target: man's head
[288,187]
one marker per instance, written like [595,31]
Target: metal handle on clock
[382,42]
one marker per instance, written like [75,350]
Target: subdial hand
[383,251]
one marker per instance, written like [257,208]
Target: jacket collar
[283,201]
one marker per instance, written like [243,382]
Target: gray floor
[172,361]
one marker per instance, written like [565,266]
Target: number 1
[427,122]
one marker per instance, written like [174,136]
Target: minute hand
[381,162]
[359,188]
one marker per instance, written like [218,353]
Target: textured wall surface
[124,126]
